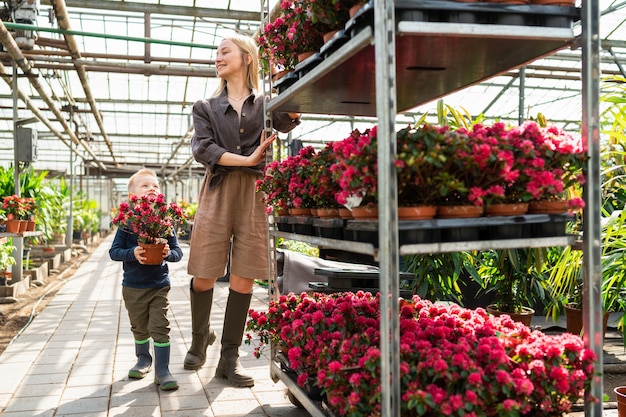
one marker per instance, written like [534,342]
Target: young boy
[145,291]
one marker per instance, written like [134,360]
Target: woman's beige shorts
[233,209]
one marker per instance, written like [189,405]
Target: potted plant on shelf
[6,260]
[292,33]
[356,171]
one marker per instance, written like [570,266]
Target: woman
[229,140]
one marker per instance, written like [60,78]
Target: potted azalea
[356,170]
[558,168]
[151,218]
[292,33]
[454,361]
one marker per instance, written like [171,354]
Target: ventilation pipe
[14,51]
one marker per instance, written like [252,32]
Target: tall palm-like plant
[566,273]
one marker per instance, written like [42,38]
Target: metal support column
[592,267]
[386,108]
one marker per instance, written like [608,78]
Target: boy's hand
[166,250]
[138,252]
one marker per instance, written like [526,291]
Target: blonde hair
[142,172]
[246,45]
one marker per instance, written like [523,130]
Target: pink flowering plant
[454,361]
[290,34]
[356,169]
[150,217]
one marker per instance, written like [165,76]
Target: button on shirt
[219,129]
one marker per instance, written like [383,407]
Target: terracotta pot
[548,207]
[279,74]
[525,317]
[153,253]
[327,212]
[30,226]
[282,212]
[345,213]
[354,9]
[305,55]
[329,35]
[23,225]
[299,211]
[620,396]
[365,213]
[574,321]
[12,226]
[417,212]
[459,212]
[512,209]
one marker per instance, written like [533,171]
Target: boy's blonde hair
[142,172]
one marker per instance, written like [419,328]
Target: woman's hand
[259,153]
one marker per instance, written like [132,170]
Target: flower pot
[23,225]
[329,35]
[417,212]
[548,207]
[620,395]
[153,253]
[459,212]
[574,321]
[299,211]
[525,317]
[345,213]
[365,213]
[327,212]
[354,9]
[30,225]
[304,55]
[12,226]
[512,209]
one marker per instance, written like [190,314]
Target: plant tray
[364,278]
[486,13]
[464,230]
[302,225]
[329,228]
[282,224]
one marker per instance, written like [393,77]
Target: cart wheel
[294,400]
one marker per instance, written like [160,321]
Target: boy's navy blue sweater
[137,275]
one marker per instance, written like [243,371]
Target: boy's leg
[136,302]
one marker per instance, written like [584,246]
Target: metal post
[384,38]
[592,267]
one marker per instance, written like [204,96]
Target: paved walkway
[74,357]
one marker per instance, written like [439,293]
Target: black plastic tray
[463,230]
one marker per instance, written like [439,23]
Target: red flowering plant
[287,36]
[327,15]
[454,361]
[558,168]
[356,169]
[324,187]
[14,207]
[274,186]
[150,217]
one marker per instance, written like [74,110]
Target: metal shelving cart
[397,58]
